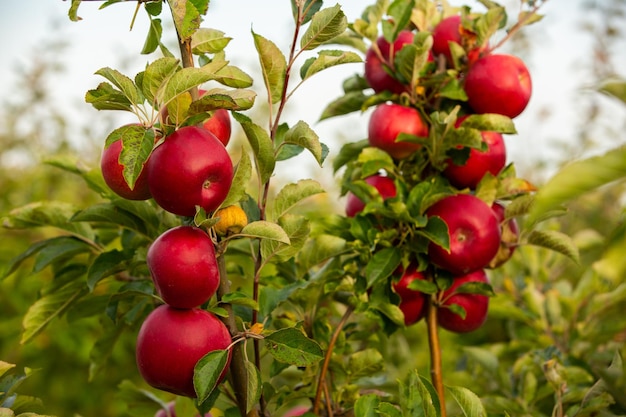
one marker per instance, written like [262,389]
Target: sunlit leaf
[556,241]
[468,402]
[265,230]
[206,40]
[208,371]
[325,25]
[292,194]
[273,67]
[290,345]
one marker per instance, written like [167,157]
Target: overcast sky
[102,38]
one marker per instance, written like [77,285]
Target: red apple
[412,302]
[474,234]
[475,305]
[385,186]
[498,84]
[184,267]
[297,411]
[170,343]
[450,29]
[219,124]
[510,235]
[479,162]
[375,73]
[112,171]
[190,168]
[171,411]
[387,121]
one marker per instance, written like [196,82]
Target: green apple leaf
[490,122]
[207,373]
[153,40]
[367,25]
[302,135]
[107,264]
[309,8]
[220,98]
[297,228]
[187,78]
[327,59]
[188,16]
[325,25]
[400,11]
[105,97]
[273,67]
[319,249]
[436,231]
[241,179]
[614,87]
[292,194]
[111,214]
[211,41]
[348,103]
[156,74]
[48,214]
[349,152]
[137,144]
[365,363]
[556,241]
[382,265]
[265,230]
[123,83]
[73,12]
[366,406]
[233,77]
[291,346]
[262,146]
[470,403]
[418,397]
[254,386]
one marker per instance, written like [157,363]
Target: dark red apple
[510,236]
[498,84]
[190,168]
[385,186]
[474,234]
[412,302]
[476,306]
[479,162]
[170,343]
[387,121]
[184,267]
[112,171]
[375,73]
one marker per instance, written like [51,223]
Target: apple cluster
[401,124]
[189,168]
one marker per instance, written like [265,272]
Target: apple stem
[436,373]
[238,373]
[321,383]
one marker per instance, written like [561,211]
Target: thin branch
[434,346]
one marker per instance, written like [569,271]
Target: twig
[436,374]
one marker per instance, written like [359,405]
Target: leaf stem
[434,346]
[321,383]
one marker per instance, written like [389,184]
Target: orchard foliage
[331,313]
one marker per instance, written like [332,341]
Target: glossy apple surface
[376,75]
[112,171]
[387,121]
[446,31]
[219,124]
[499,84]
[474,234]
[476,306]
[184,267]
[190,168]
[170,343]
[385,186]
[479,162]
[412,302]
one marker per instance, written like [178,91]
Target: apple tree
[245,298]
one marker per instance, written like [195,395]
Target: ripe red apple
[479,162]
[219,124]
[474,234]
[190,168]
[449,30]
[375,74]
[171,411]
[170,343]
[412,302]
[475,305]
[385,186]
[112,171]
[387,121]
[297,411]
[184,267]
[498,84]
[510,235]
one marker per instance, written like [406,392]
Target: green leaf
[125,84]
[254,387]
[48,307]
[614,87]
[105,97]
[208,371]
[265,230]
[188,16]
[291,346]
[365,406]
[302,135]
[382,265]
[468,402]
[348,103]
[137,144]
[325,25]
[436,231]
[73,12]
[261,144]
[327,59]
[211,41]
[58,250]
[153,40]
[241,179]
[273,67]
[233,77]
[365,363]
[490,122]
[310,7]
[417,398]
[34,248]
[103,348]
[292,194]
[556,241]
[47,214]
[239,298]
[220,98]
[297,228]
[348,152]
[105,265]
[319,249]
[187,78]
[156,74]
[578,178]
